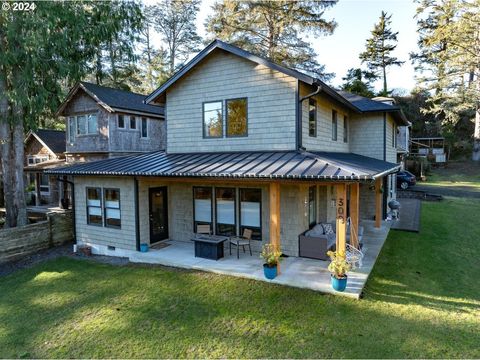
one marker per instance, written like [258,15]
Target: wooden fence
[18,242]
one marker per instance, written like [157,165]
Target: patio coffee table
[209,246]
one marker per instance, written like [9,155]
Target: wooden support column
[341,217]
[275,217]
[37,189]
[378,203]
[354,213]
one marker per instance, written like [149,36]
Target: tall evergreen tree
[174,20]
[449,42]
[42,51]
[358,81]
[278,30]
[379,48]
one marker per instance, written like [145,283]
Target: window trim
[240,211]
[315,117]
[334,125]
[71,135]
[212,227]
[118,121]
[345,128]
[85,114]
[226,117]
[146,127]
[88,206]
[394,136]
[203,119]
[105,207]
[234,208]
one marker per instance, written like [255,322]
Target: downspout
[299,113]
[72,185]
[137,225]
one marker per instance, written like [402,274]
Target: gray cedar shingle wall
[271,105]
[323,141]
[123,238]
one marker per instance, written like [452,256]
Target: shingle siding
[271,105]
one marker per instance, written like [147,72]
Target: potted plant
[339,268]
[271,257]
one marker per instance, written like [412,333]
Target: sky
[355,19]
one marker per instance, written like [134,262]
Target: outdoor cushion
[328,228]
[316,230]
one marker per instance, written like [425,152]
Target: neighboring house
[44,149]
[102,122]
[250,144]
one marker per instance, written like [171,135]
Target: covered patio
[295,271]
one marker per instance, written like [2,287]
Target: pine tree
[449,42]
[379,48]
[358,81]
[174,20]
[277,30]
[43,52]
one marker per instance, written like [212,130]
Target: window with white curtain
[112,208]
[250,212]
[225,211]
[202,206]
[94,206]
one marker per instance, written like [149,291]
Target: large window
[202,206]
[394,136]
[71,129]
[213,119]
[112,208]
[133,123]
[237,117]
[312,117]
[87,124]
[225,211]
[345,129]
[251,212]
[94,206]
[312,205]
[334,125]
[144,128]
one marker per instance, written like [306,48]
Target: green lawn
[460,174]
[422,300]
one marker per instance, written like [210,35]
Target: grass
[422,300]
[462,174]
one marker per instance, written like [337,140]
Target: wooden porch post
[37,189]
[378,202]
[354,212]
[275,217]
[341,218]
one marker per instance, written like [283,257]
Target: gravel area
[53,253]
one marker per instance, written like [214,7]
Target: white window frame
[34,158]
[87,127]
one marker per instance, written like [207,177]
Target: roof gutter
[387,172]
[299,127]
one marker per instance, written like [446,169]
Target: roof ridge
[112,88]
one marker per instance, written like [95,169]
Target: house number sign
[341,210]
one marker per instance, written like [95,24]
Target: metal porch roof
[251,165]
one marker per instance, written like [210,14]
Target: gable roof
[299,165]
[218,44]
[53,140]
[114,100]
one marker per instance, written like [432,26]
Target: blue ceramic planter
[339,284]
[270,272]
[143,247]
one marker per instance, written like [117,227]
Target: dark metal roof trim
[239,165]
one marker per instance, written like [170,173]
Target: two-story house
[250,144]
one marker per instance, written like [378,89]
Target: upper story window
[237,117]
[87,124]
[133,122]
[144,129]
[121,121]
[394,136]
[213,119]
[334,125]
[36,159]
[345,129]
[71,129]
[312,117]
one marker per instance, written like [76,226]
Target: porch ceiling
[258,165]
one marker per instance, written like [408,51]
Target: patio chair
[203,229]
[244,240]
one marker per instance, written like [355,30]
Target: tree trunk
[18,163]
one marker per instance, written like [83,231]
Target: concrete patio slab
[297,272]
